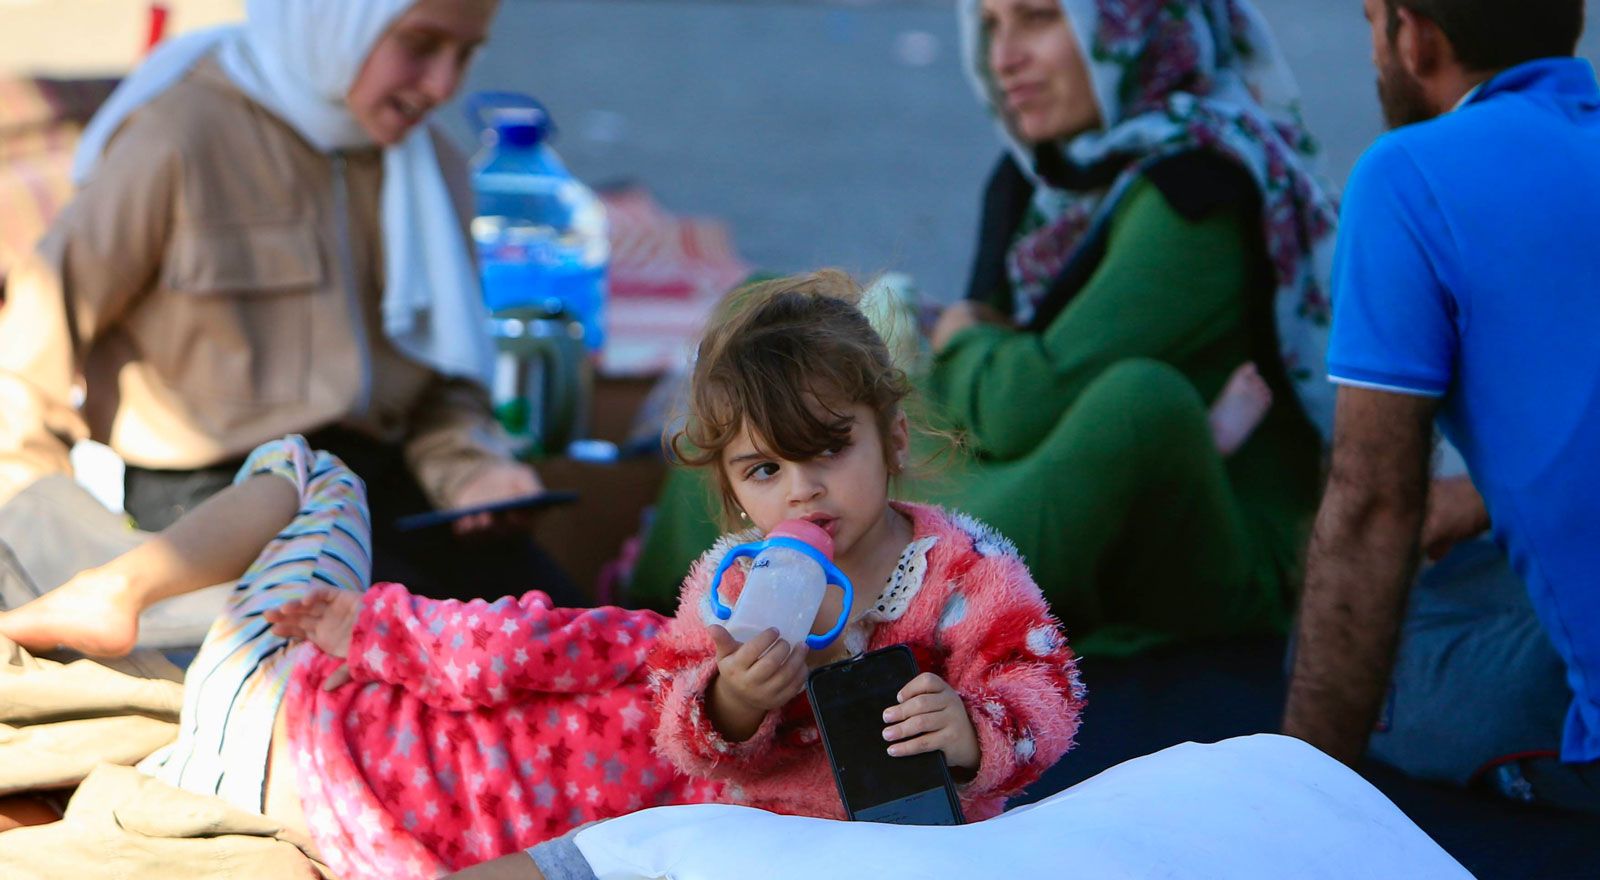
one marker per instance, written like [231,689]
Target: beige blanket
[59,720]
[72,724]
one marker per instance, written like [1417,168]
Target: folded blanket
[122,824]
[58,721]
[1258,806]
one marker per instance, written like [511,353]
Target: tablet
[432,518]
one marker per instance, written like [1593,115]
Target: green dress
[1088,446]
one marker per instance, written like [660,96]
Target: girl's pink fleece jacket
[964,602]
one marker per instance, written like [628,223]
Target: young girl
[418,736]
[797,410]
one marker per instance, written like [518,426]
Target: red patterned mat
[667,274]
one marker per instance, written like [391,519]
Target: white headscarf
[299,58]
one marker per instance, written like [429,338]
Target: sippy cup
[784,588]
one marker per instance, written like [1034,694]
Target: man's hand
[497,482]
[960,316]
[326,617]
[753,679]
[931,717]
[1456,513]
[1363,556]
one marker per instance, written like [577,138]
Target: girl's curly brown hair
[787,358]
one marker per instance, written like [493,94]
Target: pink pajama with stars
[468,730]
[474,729]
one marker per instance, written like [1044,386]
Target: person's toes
[1239,409]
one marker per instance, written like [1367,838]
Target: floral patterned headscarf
[1171,76]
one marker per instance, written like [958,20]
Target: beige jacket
[217,284]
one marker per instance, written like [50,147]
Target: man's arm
[517,866]
[1362,559]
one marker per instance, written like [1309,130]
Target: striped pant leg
[234,687]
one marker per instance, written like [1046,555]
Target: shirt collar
[1467,98]
[1562,78]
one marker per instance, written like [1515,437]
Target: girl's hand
[325,617]
[764,673]
[931,717]
[752,679]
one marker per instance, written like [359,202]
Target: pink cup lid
[804,531]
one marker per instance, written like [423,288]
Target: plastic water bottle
[541,234]
[785,586]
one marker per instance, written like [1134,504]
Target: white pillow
[1259,806]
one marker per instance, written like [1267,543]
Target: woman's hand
[1456,513]
[326,617]
[958,317]
[753,679]
[931,717]
[500,481]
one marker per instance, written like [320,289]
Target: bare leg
[97,612]
[1239,409]
[282,799]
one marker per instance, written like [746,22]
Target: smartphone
[848,699]
[433,518]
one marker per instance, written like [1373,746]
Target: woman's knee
[1146,396]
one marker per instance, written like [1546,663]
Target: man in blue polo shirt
[1467,288]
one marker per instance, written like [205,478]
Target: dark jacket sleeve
[1005,202]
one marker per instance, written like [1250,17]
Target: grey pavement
[831,134]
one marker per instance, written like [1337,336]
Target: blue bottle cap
[521,127]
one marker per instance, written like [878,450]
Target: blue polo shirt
[1468,268]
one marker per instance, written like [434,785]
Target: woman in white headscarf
[269,241]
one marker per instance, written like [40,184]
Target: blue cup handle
[723,612]
[836,578]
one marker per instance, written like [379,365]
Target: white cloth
[299,58]
[1260,806]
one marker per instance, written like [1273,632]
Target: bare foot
[1239,409]
[95,613]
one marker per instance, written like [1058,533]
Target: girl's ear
[899,442]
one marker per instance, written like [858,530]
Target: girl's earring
[743,515]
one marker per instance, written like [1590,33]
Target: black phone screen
[433,518]
[848,699]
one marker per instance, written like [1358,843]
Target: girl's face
[845,491]
[1039,70]
[417,65]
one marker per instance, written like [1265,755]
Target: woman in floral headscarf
[1152,227]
